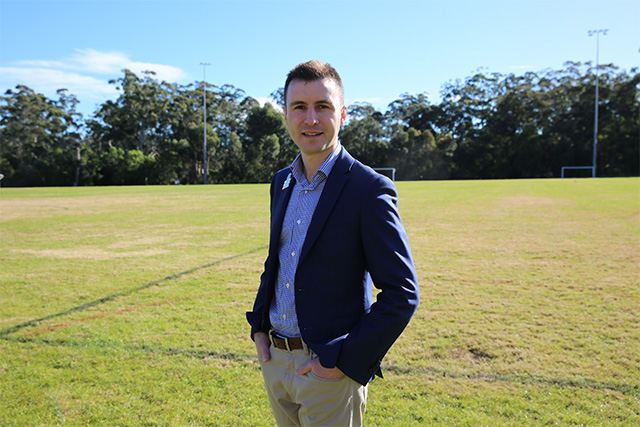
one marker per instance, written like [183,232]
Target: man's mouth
[311,133]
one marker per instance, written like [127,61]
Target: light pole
[204,104]
[595,122]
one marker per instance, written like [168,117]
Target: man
[335,229]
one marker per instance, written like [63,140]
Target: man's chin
[317,147]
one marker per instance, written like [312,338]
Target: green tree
[183,149]
[266,146]
[415,148]
[363,135]
[414,154]
[120,167]
[232,161]
[139,118]
[40,138]
[227,110]
[278,96]
[532,125]
[619,124]
[487,126]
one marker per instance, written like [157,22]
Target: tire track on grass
[112,297]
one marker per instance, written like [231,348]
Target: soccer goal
[390,172]
[593,170]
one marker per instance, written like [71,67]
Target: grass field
[125,306]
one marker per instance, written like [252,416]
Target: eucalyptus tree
[416,145]
[139,118]
[619,121]
[411,111]
[278,96]
[267,146]
[227,110]
[621,124]
[182,150]
[41,138]
[512,137]
[364,135]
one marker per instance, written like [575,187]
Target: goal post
[593,169]
[392,170]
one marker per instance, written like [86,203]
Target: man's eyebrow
[319,102]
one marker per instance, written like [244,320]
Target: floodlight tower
[595,122]
[204,105]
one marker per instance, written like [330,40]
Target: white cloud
[106,63]
[49,80]
[101,62]
[84,74]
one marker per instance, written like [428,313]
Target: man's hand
[314,366]
[262,344]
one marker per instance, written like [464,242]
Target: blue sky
[381,48]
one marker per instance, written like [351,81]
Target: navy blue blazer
[355,238]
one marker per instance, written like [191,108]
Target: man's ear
[343,115]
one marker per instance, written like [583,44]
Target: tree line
[487,126]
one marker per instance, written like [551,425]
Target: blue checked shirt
[302,205]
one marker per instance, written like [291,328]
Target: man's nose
[311,118]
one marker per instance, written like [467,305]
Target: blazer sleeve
[390,263]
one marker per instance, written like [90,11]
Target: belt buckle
[275,335]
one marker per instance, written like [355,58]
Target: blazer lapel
[336,181]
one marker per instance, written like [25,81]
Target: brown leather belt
[284,343]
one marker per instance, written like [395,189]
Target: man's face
[314,114]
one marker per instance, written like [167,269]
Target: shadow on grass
[112,297]
[251,359]
[141,348]
[630,389]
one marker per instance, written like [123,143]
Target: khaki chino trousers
[308,400]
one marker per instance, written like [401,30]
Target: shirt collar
[323,171]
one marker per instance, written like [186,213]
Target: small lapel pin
[286,182]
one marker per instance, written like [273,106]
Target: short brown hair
[311,71]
